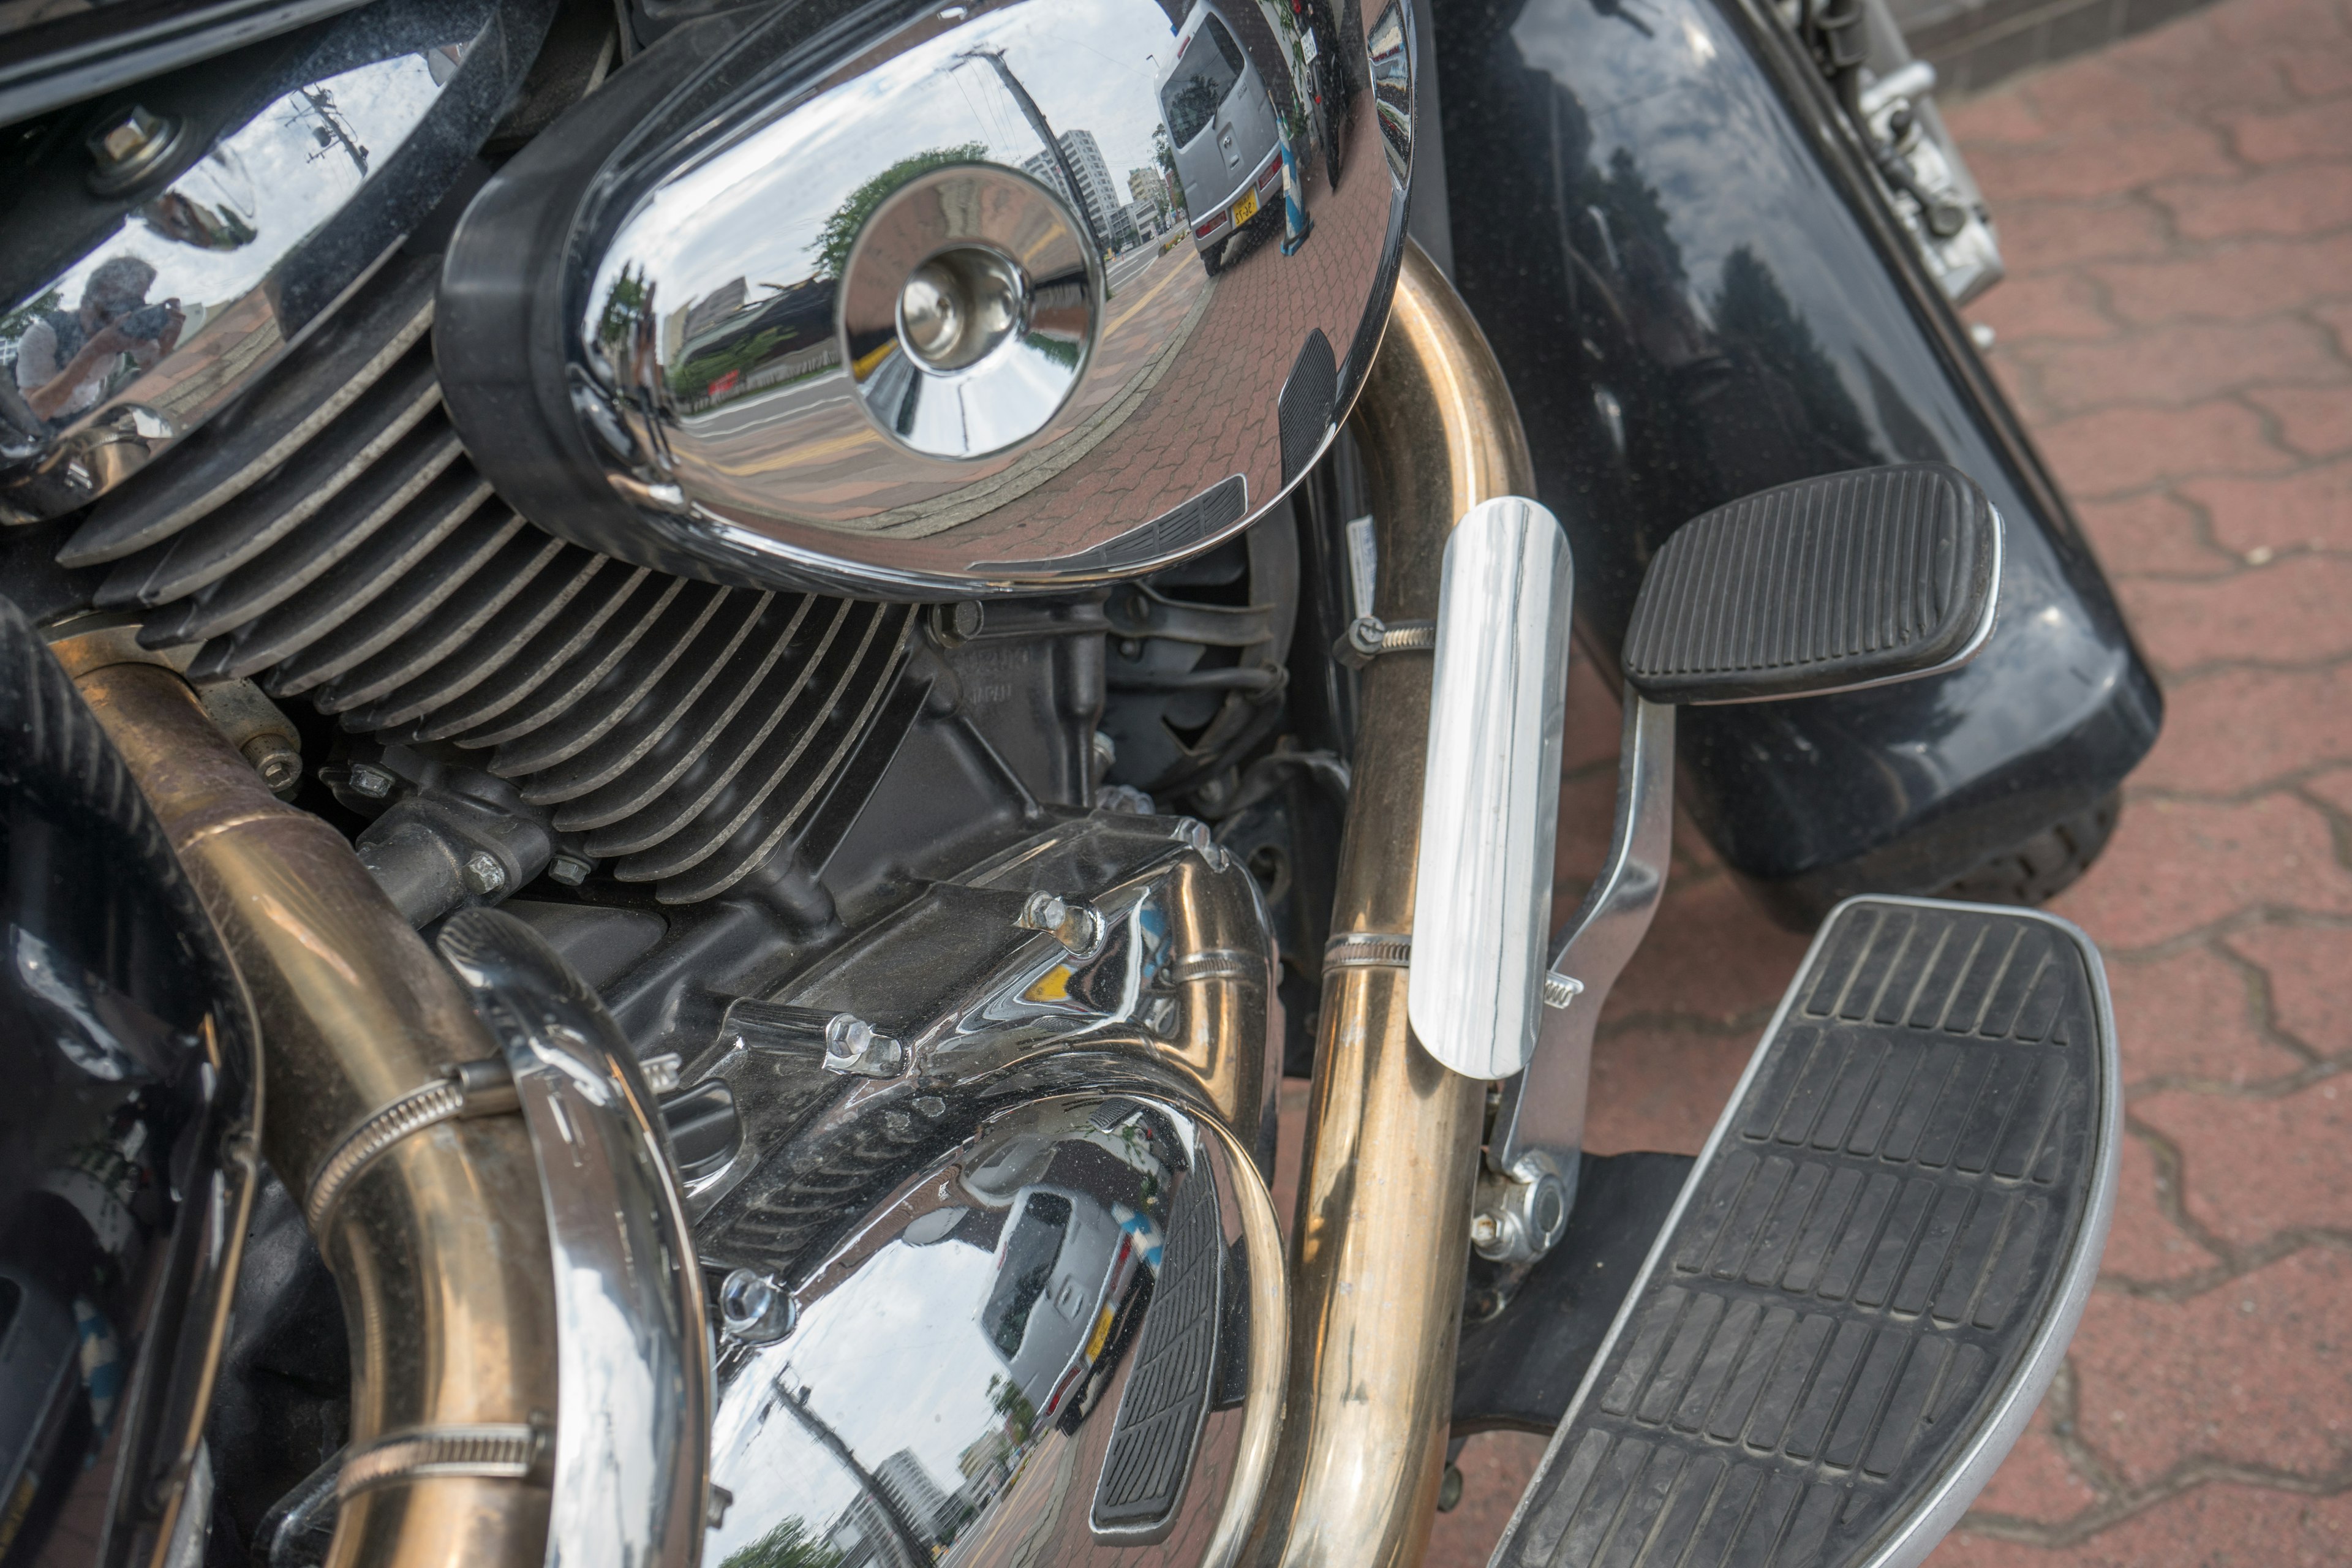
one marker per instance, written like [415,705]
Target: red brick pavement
[2176,213]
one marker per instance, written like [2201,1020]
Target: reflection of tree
[627,304]
[1005,1397]
[790,1545]
[1165,153]
[1751,308]
[840,231]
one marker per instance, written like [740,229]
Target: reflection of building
[1145,216]
[1104,209]
[986,1467]
[1146,185]
[920,1501]
[862,1537]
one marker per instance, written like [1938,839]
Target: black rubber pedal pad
[1847,580]
[1874,1271]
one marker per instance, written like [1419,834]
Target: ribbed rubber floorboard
[1831,582]
[1863,1261]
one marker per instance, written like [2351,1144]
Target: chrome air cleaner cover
[803,300]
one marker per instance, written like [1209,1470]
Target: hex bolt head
[1485,1229]
[370,781]
[128,145]
[484,875]
[1074,924]
[755,1306]
[277,763]
[854,1046]
[571,869]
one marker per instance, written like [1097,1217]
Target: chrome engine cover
[698,324]
[1037,1298]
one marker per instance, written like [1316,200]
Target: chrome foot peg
[1874,1271]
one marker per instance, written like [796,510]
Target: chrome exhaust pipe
[410,1188]
[1382,1237]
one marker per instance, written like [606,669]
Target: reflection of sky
[1085,61]
[291,183]
[903,1338]
[1720,159]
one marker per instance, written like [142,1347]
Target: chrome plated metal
[1954,236]
[632,1416]
[1542,1110]
[1173,998]
[1520,1216]
[1385,1193]
[1052,1333]
[969,308]
[174,311]
[755,1306]
[869,313]
[1490,789]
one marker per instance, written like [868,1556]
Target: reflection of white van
[1062,1264]
[1222,120]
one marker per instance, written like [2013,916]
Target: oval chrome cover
[676,329]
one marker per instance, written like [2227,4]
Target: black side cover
[1871,1258]
[1852,579]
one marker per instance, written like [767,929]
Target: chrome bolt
[277,763]
[1485,1229]
[1197,836]
[131,144]
[370,781]
[484,875]
[1106,750]
[755,1306]
[853,1045]
[1074,924]
[571,869]
[661,1071]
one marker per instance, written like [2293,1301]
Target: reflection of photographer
[66,358]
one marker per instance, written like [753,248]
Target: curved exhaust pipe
[1391,1158]
[407,1174]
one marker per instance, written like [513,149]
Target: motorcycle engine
[863,828]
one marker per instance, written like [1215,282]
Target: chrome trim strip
[633,1372]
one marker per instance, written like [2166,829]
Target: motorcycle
[689,735]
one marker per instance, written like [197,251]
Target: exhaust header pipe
[407,1170]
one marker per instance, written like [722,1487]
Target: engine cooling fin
[332,541]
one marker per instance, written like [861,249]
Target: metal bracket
[1542,1110]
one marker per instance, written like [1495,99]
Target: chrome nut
[1076,925]
[1519,1217]
[852,1045]
[755,1306]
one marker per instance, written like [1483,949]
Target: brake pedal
[1874,1271]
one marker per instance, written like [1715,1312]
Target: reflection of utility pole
[332,128]
[1044,133]
[910,1542]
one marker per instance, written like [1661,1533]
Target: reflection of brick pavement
[2178,327]
[1263,304]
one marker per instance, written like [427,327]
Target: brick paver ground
[2176,327]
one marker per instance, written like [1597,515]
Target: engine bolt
[571,869]
[277,763]
[755,1306]
[1486,1229]
[854,1046]
[1076,925]
[132,143]
[370,781]
[484,875]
